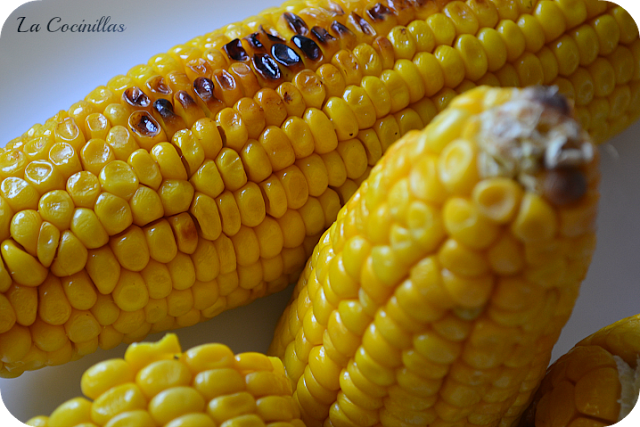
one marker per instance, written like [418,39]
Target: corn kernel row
[437,295]
[202,180]
[156,384]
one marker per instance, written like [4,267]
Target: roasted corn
[203,179]
[596,384]
[156,384]
[436,297]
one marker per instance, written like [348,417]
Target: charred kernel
[235,51]
[136,98]
[379,11]
[564,186]
[285,55]
[185,100]
[164,108]
[296,23]
[266,66]
[205,89]
[254,41]
[322,35]
[144,124]
[307,46]
[340,30]
[362,24]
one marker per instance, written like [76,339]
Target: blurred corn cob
[202,180]
[156,384]
[595,384]
[437,295]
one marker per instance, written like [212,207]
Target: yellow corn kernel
[207,179]
[42,175]
[168,161]
[116,400]
[104,269]
[84,189]
[185,232]
[146,206]
[231,170]
[443,29]
[95,155]
[114,213]
[24,268]
[229,213]
[130,293]
[158,279]
[379,95]
[86,226]
[118,178]
[176,196]
[64,157]
[72,256]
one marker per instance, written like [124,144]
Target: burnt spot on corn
[204,88]
[285,55]
[340,30]
[322,35]
[307,46]
[235,51]
[184,227]
[379,12]
[550,97]
[254,41]
[164,108]
[266,66]
[157,84]
[361,23]
[143,124]
[185,100]
[135,97]
[563,186]
[296,23]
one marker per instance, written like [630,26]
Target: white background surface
[43,72]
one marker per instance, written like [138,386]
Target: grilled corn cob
[595,384]
[156,384]
[203,179]
[437,295]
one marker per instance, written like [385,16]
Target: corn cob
[156,384]
[437,295]
[202,180]
[595,384]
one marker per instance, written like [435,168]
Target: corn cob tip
[536,139]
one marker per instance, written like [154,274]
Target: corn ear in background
[595,384]
[157,384]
